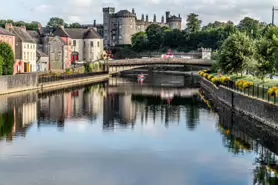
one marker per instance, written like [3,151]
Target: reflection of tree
[192,114]
[6,124]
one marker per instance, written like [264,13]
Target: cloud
[88,10]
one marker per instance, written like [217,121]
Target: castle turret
[154,18]
[143,17]
[162,19]
[147,18]
[133,11]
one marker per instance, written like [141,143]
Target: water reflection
[125,132]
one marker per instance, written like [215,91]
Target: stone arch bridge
[116,66]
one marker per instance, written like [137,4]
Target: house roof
[61,32]
[5,32]
[35,36]
[22,34]
[41,54]
[78,33]
[92,34]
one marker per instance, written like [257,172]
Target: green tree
[173,38]
[193,23]
[55,22]
[237,54]
[32,26]
[252,27]
[155,36]
[7,54]
[139,41]
[75,25]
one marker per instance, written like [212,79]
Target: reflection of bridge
[153,91]
[123,65]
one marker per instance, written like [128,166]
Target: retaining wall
[257,109]
[16,83]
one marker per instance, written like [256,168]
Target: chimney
[147,18]
[23,27]
[154,18]
[143,18]
[39,26]
[95,24]
[162,19]
[133,11]
[8,26]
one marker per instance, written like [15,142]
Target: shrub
[215,80]
[242,84]
[210,77]
[225,80]
[273,91]
[67,70]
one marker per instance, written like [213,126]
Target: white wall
[93,53]
[78,48]
[29,52]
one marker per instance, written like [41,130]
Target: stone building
[119,27]
[58,53]
[86,44]
[25,49]
[42,61]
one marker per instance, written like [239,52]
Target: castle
[119,27]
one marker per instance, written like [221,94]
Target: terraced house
[86,44]
[25,49]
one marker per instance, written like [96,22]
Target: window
[27,55]
[92,43]
[27,46]
[74,42]
[131,26]
[113,37]
[24,56]
[98,44]
[130,20]
[120,26]
[120,37]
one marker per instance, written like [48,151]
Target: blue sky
[85,11]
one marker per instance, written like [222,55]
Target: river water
[122,132]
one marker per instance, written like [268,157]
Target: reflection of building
[127,111]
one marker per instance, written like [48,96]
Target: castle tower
[147,18]
[133,11]
[154,18]
[162,19]
[106,24]
[167,16]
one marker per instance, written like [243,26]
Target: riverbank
[14,84]
[256,108]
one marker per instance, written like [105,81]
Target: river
[121,132]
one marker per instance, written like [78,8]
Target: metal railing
[58,77]
[256,91]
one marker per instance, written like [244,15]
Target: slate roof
[78,33]
[5,32]
[22,34]
[59,39]
[41,54]
[35,36]
[92,34]
[124,13]
[60,32]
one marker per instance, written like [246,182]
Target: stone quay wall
[257,109]
[17,83]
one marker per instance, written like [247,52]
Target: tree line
[193,37]
[54,22]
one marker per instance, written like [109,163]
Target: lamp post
[273,10]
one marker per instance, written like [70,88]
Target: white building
[87,44]
[25,48]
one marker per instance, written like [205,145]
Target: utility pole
[273,11]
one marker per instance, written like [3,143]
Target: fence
[257,91]
[58,77]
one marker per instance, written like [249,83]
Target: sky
[86,11]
